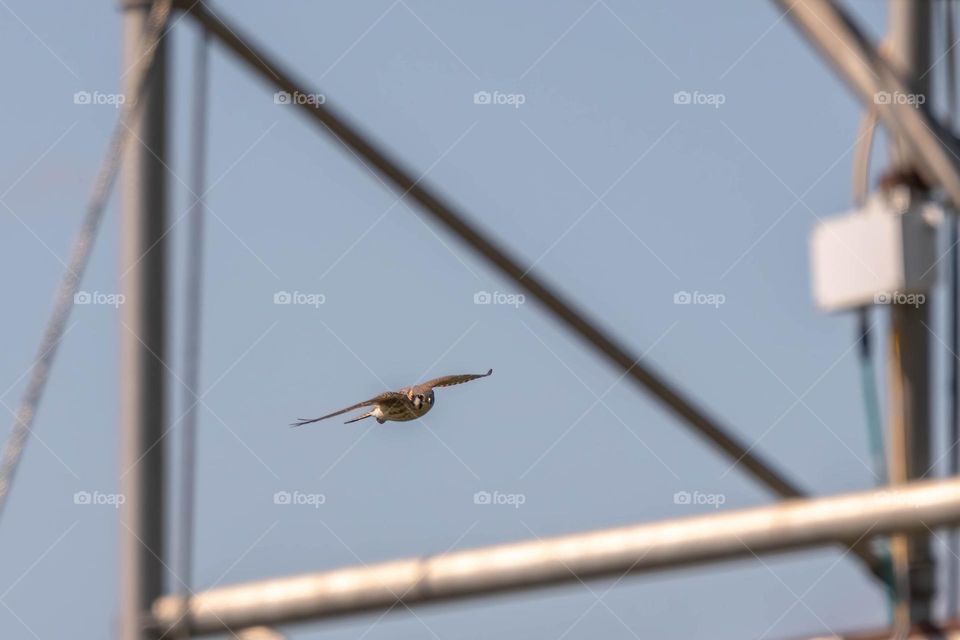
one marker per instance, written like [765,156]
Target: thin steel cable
[870,397]
[860,190]
[881,544]
[79,256]
[193,317]
[861,157]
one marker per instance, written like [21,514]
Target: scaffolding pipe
[143,226]
[788,525]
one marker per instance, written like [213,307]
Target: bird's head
[423,399]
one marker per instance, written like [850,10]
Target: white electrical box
[876,255]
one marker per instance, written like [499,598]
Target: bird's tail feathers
[368,414]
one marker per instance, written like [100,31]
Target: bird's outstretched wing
[387,396]
[449,381]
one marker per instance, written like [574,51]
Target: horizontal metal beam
[791,524]
[892,92]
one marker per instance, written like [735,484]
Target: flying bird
[408,403]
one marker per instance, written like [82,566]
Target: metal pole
[909,357]
[787,525]
[142,334]
[193,321]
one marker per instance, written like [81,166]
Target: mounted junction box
[875,255]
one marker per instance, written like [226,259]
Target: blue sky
[618,195]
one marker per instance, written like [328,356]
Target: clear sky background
[712,199]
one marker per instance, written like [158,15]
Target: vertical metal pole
[142,335]
[909,370]
[948,15]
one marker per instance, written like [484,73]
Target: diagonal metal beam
[440,210]
[858,62]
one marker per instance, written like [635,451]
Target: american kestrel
[408,403]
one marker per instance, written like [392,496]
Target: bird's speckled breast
[408,411]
